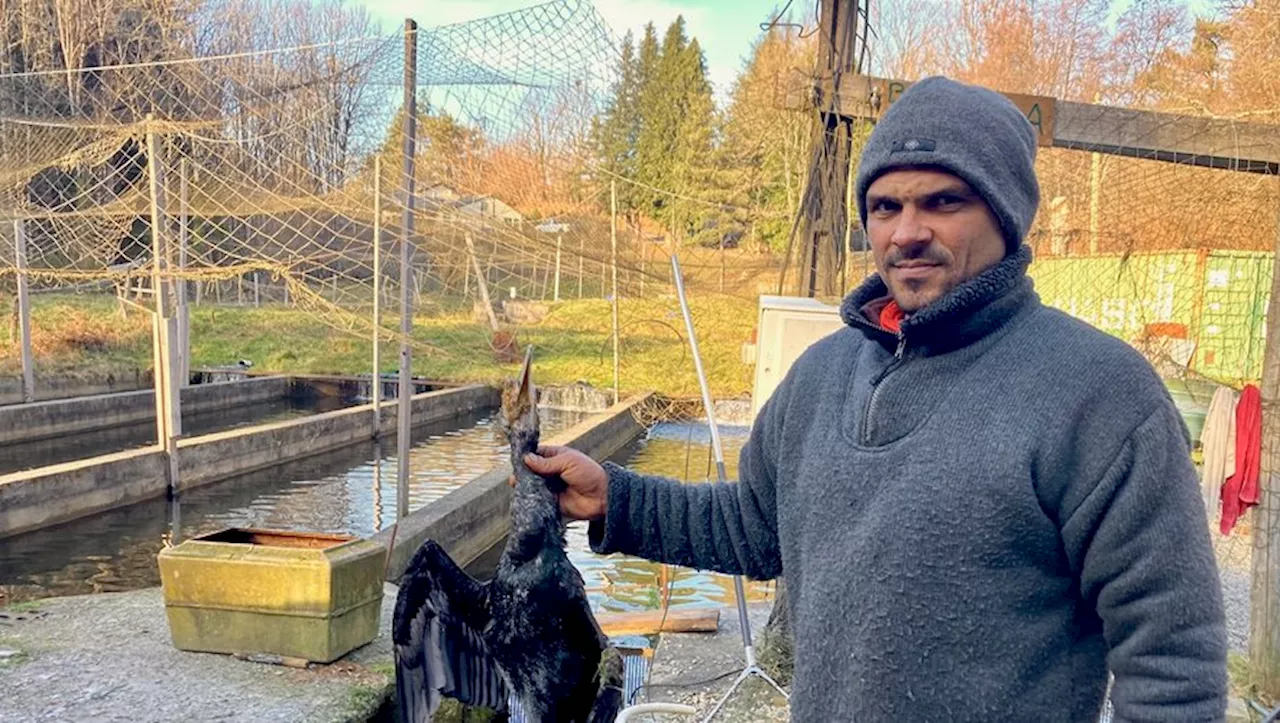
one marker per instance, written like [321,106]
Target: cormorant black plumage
[529,631]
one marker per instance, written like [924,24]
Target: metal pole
[738,589]
[257,293]
[559,242]
[375,389]
[613,242]
[168,415]
[24,313]
[582,250]
[405,411]
[184,311]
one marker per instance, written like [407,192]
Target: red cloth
[891,316]
[1240,491]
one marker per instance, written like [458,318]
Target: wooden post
[24,313]
[613,242]
[559,243]
[466,280]
[481,285]
[582,252]
[375,386]
[1264,602]
[404,427]
[164,327]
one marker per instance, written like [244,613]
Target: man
[980,505]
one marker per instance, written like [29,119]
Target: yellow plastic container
[292,594]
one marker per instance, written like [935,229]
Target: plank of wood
[1190,140]
[650,622]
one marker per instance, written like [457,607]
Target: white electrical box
[787,326]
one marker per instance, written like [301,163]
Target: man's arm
[730,528]
[1140,542]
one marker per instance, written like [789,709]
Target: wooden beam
[1190,140]
[650,622]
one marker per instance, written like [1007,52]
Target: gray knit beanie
[971,132]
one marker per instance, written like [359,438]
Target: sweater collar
[961,317]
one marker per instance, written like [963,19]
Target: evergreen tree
[614,132]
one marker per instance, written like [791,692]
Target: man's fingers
[552,450]
[546,465]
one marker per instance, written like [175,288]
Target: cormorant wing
[439,616]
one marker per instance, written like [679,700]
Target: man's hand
[586,483]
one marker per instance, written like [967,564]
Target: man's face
[929,232]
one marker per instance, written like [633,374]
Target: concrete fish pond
[120,644]
[293,594]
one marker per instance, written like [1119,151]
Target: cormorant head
[520,407]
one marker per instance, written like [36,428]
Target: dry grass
[572,342]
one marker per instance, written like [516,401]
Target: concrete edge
[473,518]
[47,496]
[21,423]
[213,457]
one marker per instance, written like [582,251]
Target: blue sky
[724,28]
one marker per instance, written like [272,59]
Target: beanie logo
[914,144]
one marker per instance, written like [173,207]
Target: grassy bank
[572,341]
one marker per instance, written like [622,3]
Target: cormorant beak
[527,394]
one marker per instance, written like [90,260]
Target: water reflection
[350,490]
[623,583]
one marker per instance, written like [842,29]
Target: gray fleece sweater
[976,519]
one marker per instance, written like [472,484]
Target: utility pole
[841,50]
[404,429]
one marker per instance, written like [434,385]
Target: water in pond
[623,583]
[350,490]
[67,448]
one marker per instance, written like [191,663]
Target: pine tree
[614,132]
[659,116]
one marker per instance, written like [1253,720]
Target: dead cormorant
[529,631]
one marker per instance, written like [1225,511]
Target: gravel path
[109,658]
[685,658]
[1235,598]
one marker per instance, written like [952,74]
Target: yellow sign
[877,94]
